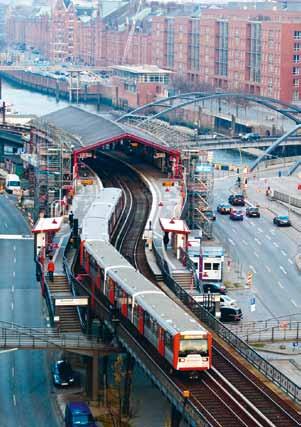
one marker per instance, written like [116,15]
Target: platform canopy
[48,224]
[92,131]
[172,225]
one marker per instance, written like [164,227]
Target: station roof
[48,224]
[91,130]
[174,225]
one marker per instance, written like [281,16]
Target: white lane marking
[257,241]
[268,237]
[13,288]
[290,261]
[256,254]
[268,268]
[12,306]
[252,268]
[233,229]
[276,244]
[283,269]
[252,223]
[5,225]
[14,247]
[281,285]
[244,242]
[283,253]
[231,241]
[13,371]
[15,260]
[260,230]
[14,274]
[14,400]
[15,237]
[293,302]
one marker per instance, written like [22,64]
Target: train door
[124,306]
[161,341]
[141,320]
[110,290]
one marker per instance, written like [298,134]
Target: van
[230,314]
[12,183]
[78,414]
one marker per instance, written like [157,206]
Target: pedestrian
[165,240]
[50,269]
[70,217]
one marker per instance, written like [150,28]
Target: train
[177,337]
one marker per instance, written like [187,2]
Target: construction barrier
[249,278]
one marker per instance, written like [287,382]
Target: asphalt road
[266,250]
[24,375]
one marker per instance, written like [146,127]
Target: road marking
[15,237]
[283,270]
[252,223]
[15,260]
[276,244]
[5,225]
[294,303]
[13,371]
[257,241]
[14,248]
[268,237]
[260,230]
[290,261]
[281,285]
[268,268]
[14,399]
[12,306]
[272,231]
[233,229]
[14,274]
[252,268]
[13,288]
[283,253]
[245,243]
[256,254]
[231,241]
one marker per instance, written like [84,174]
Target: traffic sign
[252,304]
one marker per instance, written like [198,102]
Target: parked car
[214,288]
[209,214]
[78,414]
[227,301]
[224,208]
[62,373]
[253,212]
[282,221]
[236,215]
[236,200]
[252,136]
[230,314]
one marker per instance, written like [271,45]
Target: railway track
[228,395]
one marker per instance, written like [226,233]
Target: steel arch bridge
[166,104]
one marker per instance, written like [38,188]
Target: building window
[297,47]
[296,58]
[296,70]
[170,44]
[296,95]
[254,57]
[297,35]
[296,82]
[221,49]
[270,58]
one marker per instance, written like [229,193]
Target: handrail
[226,334]
[45,290]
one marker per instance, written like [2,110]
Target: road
[266,250]
[24,380]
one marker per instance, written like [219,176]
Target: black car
[230,314]
[214,288]
[62,373]
[236,200]
[224,208]
[282,221]
[253,212]
[252,136]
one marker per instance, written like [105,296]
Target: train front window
[193,346]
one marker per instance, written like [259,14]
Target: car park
[251,136]
[253,212]
[282,221]
[78,414]
[224,208]
[214,288]
[230,314]
[236,215]
[236,200]
[62,373]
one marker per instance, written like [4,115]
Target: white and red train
[179,338]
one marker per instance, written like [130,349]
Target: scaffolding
[198,171]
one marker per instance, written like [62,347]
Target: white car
[227,301]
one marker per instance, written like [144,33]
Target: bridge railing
[225,333]
[42,278]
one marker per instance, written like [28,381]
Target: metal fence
[42,278]
[241,346]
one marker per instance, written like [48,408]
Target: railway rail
[227,395]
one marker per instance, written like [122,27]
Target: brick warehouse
[255,51]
